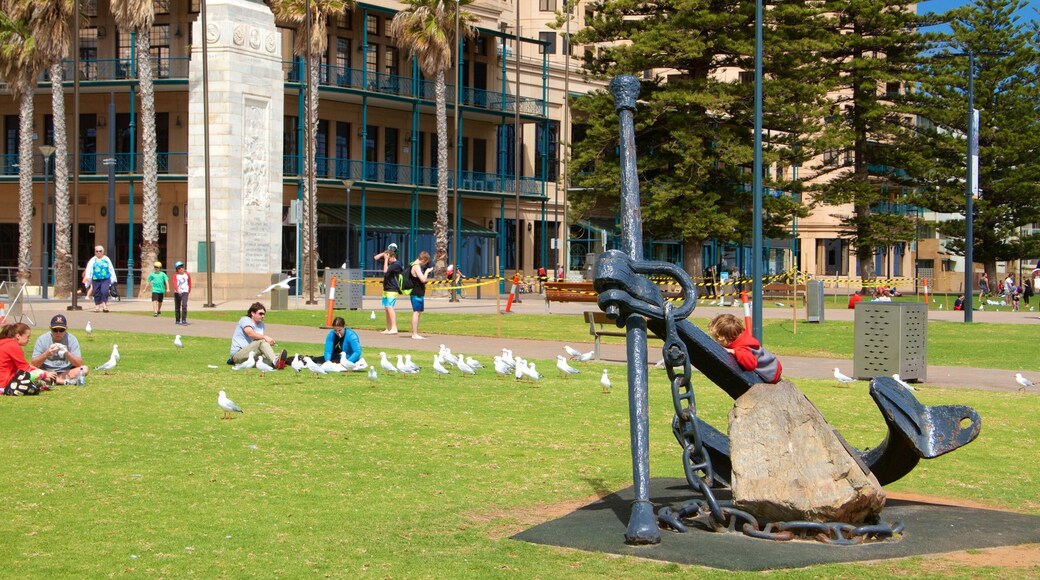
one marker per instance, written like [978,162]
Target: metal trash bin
[279,296]
[890,338]
[348,288]
[814,300]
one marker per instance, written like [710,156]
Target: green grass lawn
[137,473]
[999,346]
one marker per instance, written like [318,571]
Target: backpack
[404,281]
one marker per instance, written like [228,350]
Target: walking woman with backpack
[100,276]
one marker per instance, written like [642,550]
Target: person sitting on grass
[17,376]
[728,331]
[58,352]
[958,304]
[249,336]
[340,340]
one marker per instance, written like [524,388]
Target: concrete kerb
[123,317]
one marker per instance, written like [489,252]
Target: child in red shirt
[728,331]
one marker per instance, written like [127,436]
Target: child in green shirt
[160,286]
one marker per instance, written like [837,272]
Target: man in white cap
[391,288]
[57,352]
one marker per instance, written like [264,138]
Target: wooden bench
[568,292]
[600,326]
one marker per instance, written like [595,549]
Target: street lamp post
[45,264]
[349,184]
[969,207]
[110,163]
[756,228]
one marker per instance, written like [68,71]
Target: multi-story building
[376,140]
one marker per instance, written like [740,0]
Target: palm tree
[52,26]
[138,16]
[427,28]
[295,12]
[19,64]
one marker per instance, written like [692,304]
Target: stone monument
[246,102]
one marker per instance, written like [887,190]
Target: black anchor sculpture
[634,302]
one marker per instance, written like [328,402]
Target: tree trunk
[25,185]
[64,269]
[149,162]
[440,225]
[311,190]
[693,260]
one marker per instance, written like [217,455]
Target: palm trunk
[149,166]
[63,268]
[440,225]
[25,185]
[311,191]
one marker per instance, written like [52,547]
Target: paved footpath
[126,316]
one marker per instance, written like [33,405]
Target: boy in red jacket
[728,331]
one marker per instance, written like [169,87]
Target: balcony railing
[118,69]
[402,86]
[94,163]
[404,174]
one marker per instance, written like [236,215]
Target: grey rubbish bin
[814,300]
[348,292]
[279,296]
[890,338]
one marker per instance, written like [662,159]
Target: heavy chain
[723,516]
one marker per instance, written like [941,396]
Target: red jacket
[752,357]
[853,300]
[12,360]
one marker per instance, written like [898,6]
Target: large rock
[790,464]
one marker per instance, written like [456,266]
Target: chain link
[723,516]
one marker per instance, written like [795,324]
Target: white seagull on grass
[1023,382]
[604,382]
[565,369]
[262,366]
[314,367]
[247,364]
[571,351]
[227,405]
[843,379]
[111,362]
[177,341]
[385,364]
[437,366]
[88,329]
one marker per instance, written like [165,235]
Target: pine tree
[695,117]
[1007,56]
[872,50]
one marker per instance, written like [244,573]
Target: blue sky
[941,6]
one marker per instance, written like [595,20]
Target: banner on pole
[974,147]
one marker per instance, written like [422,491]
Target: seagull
[227,405]
[572,352]
[905,385]
[372,375]
[332,367]
[89,329]
[437,366]
[111,362]
[410,365]
[565,369]
[501,367]
[465,368]
[386,364]
[297,364]
[282,284]
[1023,382]
[940,307]
[586,356]
[474,363]
[345,362]
[446,356]
[842,378]
[177,341]
[246,364]
[372,316]
[263,367]
[518,369]
[604,382]
[314,367]
[532,372]
[780,304]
